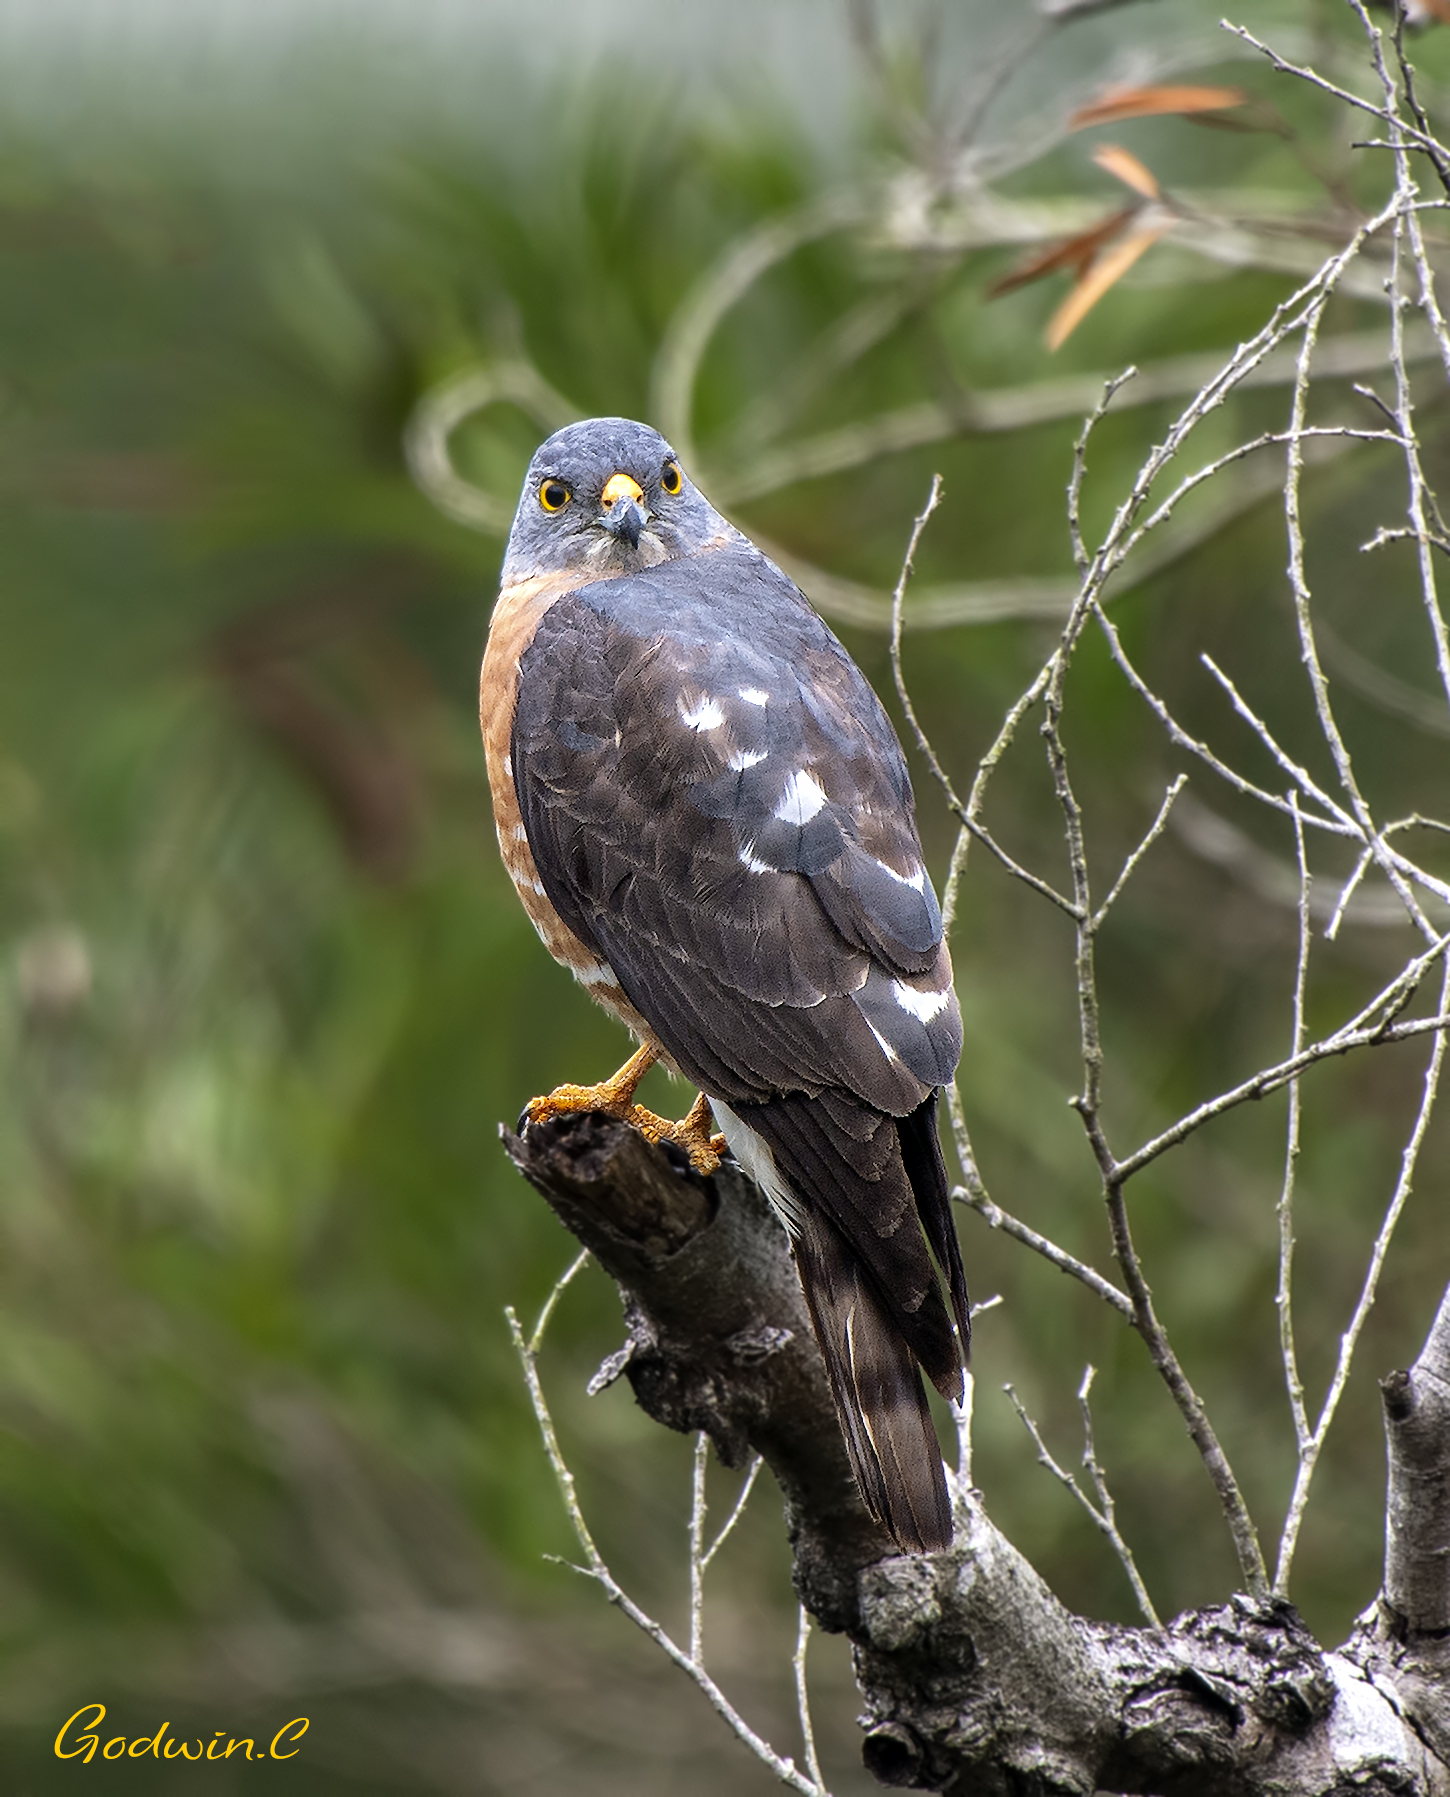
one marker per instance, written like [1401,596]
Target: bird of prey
[707,815]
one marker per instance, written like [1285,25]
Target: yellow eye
[672,480]
[553,495]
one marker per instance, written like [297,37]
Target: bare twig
[1204,1436]
[995,410]
[1182,739]
[596,1568]
[561,1285]
[1297,772]
[736,1513]
[1421,140]
[1105,1501]
[1269,1079]
[1284,1297]
[697,1549]
[1347,892]
[898,599]
[1043,888]
[1299,584]
[1109,393]
[803,1698]
[1349,1341]
[1104,1512]
[967,819]
[1156,829]
[997,1218]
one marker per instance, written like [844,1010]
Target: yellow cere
[621,486]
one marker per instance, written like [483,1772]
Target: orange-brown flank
[515,619]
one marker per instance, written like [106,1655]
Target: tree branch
[718,1335]
[974,1676]
[1417,1531]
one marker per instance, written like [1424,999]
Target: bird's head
[603,498]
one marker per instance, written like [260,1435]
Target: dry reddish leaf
[1095,281]
[1126,166]
[1145,102]
[1076,253]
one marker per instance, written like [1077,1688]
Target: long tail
[879,1396]
[872,1191]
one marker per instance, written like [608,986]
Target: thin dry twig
[903,693]
[1309,1451]
[561,1285]
[1104,1511]
[596,1568]
[803,1698]
[997,1218]
[697,1548]
[1155,830]
[1269,1079]
[736,1513]
[1299,586]
[1284,1296]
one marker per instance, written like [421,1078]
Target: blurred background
[266,993]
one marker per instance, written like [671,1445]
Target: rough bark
[717,1332]
[1417,1519]
[975,1678]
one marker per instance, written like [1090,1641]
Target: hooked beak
[625,513]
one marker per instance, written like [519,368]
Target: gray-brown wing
[715,799]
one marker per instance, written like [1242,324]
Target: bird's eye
[553,495]
[672,480]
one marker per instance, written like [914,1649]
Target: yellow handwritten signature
[87,1740]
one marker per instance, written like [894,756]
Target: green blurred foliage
[267,993]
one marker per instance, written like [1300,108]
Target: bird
[708,816]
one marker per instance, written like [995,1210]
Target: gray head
[606,497]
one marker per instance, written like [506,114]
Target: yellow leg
[615,1098]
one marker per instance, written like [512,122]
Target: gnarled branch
[974,1675]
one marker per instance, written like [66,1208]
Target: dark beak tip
[625,520]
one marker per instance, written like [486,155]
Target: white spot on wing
[802,799]
[917,880]
[923,1005]
[886,1047]
[740,759]
[704,715]
[747,859]
[752,695]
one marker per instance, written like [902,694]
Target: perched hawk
[708,818]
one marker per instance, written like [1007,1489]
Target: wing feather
[771,843]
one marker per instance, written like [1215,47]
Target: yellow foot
[615,1098]
[692,1133]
